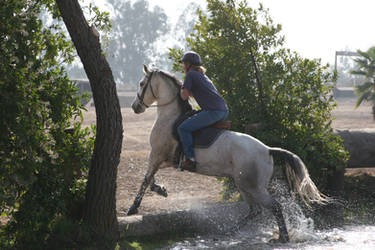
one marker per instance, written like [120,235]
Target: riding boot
[189,165]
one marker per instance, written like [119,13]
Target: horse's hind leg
[267,201]
[157,188]
[277,212]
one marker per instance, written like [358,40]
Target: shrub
[264,82]
[44,151]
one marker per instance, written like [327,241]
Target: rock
[361,146]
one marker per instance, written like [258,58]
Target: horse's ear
[145,69]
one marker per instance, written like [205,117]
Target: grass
[150,242]
[360,199]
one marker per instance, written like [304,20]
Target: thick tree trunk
[100,209]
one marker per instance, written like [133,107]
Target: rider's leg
[200,120]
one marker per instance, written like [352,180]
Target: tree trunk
[100,207]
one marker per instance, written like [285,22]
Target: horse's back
[234,154]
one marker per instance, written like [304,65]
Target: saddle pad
[205,137]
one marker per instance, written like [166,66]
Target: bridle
[142,96]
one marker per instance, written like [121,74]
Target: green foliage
[360,197]
[44,152]
[157,241]
[366,68]
[264,82]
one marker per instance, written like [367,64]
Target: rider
[213,106]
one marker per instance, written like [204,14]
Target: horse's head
[161,87]
[145,95]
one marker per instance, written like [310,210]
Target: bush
[44,151]
[263,82]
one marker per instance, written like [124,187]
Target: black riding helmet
[192,57]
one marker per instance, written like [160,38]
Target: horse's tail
[299,179]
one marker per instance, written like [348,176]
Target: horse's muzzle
[137,107]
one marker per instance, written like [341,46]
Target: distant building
[84,87]
[126,97]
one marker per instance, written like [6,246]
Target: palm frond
[364,54]
[361,98]
[365,87]
[361,63]
[371,52]
[358,72]
[365,64]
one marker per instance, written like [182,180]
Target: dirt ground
[186,190]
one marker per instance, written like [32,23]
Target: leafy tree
[263,82]
[133,44]
[185,23]
[366,68]
[44,152]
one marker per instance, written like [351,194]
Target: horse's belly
[217,159]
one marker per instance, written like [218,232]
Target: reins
[141,97]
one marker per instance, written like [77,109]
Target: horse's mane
[170,76]
[184,105]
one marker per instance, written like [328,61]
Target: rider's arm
[185,93]
[187,87]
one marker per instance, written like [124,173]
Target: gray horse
[244,158]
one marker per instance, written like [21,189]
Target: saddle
[203,138]
[222,125]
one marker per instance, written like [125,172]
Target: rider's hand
[185,93]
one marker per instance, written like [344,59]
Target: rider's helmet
[192,57]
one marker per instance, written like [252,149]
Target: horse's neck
[167,115]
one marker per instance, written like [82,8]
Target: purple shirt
[204,91]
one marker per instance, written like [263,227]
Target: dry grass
[348,117]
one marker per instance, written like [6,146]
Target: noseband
[142,96]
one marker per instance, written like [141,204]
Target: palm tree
[366,68]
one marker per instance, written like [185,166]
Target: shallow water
[262,228]
[350,237]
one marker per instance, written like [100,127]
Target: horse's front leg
[157,188]
[152,169]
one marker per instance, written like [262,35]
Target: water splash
[262,227]
[300,227]
[259,230]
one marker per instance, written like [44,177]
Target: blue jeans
[200,120]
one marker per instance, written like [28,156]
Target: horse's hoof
[132,210]
[160,190]
[163,192]
[284,239]
[279,240]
